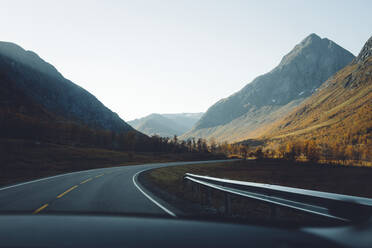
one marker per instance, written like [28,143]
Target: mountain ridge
[298,75]
[338,118]
[41,81]
[165,125]
[365,53]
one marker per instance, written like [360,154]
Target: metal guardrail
[335,206]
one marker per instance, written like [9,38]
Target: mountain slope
[26,72]
[186,120]
[165,125]
[339,114]
[272,95]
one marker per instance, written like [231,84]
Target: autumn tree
[258,153]
[243,151]
[311,151]
[212,145]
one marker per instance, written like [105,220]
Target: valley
[186,124]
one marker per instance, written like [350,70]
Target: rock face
[26,72]
[166,125]
[339,113]
[365,52]
[273,94]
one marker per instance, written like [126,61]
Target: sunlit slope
[165,125]
[274,94]
[340,113]
[156,124]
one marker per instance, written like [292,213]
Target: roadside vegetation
[22,160]
[303,150]
[168,184]
[331,178]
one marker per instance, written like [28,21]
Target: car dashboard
[60,230]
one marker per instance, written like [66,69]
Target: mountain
[166,125]
[274,94]
[38,105]
[186,120]
[27,74]
[339,114]
[365,53]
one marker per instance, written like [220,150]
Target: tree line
[304,150]
[348,147]
[15,125]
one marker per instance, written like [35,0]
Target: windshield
[220,110]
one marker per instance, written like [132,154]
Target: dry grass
[335,108]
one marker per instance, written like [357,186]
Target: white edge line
[34,181]
[149,197]
[46,178]
[77,172]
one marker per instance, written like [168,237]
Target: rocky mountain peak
[309,49]
[299,74]
[311,38]
[365,52]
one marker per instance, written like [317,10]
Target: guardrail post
[208,196]
[186,184]
[193,188]
[273,212]
[227,204]
[201,196]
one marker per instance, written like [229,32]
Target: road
[105,190]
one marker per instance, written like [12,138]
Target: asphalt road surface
[106,190]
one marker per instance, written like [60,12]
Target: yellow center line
[41,208]
[100,175]
[70,189]
[85,181]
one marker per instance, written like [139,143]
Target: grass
[308,129]
[168,183]
[22,160]
[333,111]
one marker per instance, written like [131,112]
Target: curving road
[106,190]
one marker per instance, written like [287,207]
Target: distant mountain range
[25,73]
[271,96]
[166,125]
[339,113]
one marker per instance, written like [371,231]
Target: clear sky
[168,56]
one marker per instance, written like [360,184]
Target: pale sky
[169,56]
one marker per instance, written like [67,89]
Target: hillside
[186,120]
[272,95]
[41,83]
[338,118]
[37,103]
[165,125]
